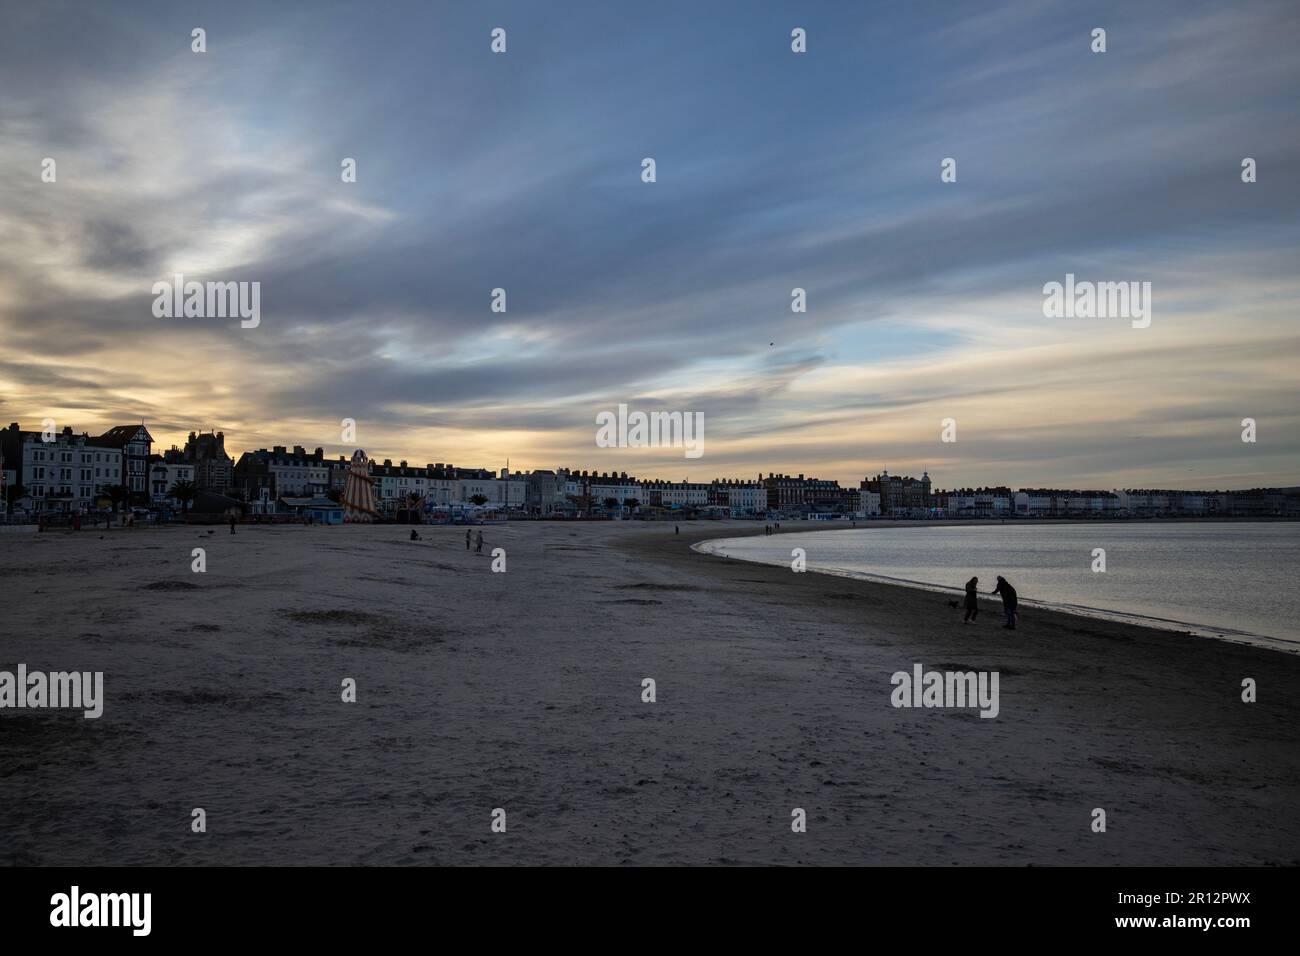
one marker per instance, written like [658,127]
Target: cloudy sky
[774,170]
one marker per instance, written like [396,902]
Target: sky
[775,170]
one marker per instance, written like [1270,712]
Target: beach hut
[318,510]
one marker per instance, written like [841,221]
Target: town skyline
[343,451]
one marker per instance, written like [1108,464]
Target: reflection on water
[1228,579]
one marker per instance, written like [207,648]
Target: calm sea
[1231,580]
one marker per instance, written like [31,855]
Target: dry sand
[523,691]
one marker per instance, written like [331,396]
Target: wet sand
[522,690]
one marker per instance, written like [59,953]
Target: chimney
[299,451]
[278,449]
[319,452]
[388,463]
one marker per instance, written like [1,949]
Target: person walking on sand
[1008,601]
[232,524]
[677,529]
[972,601]
[467,537]
[478,543]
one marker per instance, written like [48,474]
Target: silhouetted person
[468,534]
[972,601]
[414,536]
[232,524]
[1008,601]
[478,543]
[677,529]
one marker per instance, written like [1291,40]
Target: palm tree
[631,504]
[610,503]
[479,500]
[184,492]
[411,503]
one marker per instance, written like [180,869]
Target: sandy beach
[522,690]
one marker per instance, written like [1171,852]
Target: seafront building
[66,472]
[164,475]
[901,495]
[214,470]
[134,442]
[264,476]
[543,492]
[784,492]
[674,495]
[745,499]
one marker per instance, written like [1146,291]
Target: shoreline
[1076,610]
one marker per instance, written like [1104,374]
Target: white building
[1037,503]
[620,488]
[300,477]
[394,484]
[68,473]
[676,494]
[980,502]
[1094,503]
[442,486]
[266,475]
[509,494]
[744,499]
[162,476]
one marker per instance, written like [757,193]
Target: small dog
[954,603]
